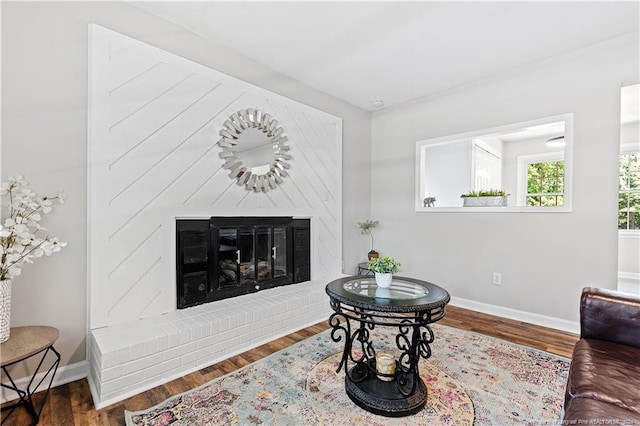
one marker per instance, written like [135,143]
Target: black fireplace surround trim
[211,263]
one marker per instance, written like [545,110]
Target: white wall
[545,258]
[154,125]
[44,137]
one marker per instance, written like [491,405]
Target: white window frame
[523,167]
[421,186]
[628,148]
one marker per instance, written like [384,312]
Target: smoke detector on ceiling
[377,104]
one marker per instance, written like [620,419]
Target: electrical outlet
[497,278]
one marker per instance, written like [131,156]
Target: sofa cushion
[605,371]
[592,411]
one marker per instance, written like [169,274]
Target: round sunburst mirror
[254,150]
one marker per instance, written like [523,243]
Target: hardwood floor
[71,404]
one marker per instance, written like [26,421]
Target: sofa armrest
[610,315]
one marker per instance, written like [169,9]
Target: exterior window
[629,192]
[545,184]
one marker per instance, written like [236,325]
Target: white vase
[5,310]
[383,279]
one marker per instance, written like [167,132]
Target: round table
[360,306]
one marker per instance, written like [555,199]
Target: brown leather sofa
[604,377]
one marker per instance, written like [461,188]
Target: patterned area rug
[470,379]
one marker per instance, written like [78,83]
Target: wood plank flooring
[71,404]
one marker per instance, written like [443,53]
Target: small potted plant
[365,229]
[485,198]
[384,267]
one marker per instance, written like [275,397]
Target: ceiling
[362,51]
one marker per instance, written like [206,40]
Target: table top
[404,294]
[26,341]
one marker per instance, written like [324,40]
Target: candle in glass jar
[385,364]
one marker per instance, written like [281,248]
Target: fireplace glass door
[245,256]
[229,256]
[236,262]
[279,252]
[264,249]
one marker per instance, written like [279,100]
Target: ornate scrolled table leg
[358,309]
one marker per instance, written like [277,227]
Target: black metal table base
[408,306]
[384,398]
[25,397]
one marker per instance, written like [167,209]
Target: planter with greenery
[487,198]
[365,229]
[384,267]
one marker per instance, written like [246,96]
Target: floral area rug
[470,379]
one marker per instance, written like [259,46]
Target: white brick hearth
[132,357]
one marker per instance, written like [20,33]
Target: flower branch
[20,242]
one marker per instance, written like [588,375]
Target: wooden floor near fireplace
[71,404]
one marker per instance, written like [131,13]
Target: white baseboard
[514,314]
[65,374]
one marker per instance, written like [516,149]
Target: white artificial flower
[27,193]
[19,240]
[17,179]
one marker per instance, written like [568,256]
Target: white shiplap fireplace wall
[154,119]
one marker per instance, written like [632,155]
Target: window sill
[505,209]
[629,233]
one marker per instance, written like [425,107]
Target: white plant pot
[5,310]
[383,280]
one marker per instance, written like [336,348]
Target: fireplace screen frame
[216,257]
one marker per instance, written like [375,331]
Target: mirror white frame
[421,191]
[258,178]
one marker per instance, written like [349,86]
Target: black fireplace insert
[223,257]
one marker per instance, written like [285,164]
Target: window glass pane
[623,181]
[634,180]
[634,211]
[549,200]
[634,220]
[533,186]
[623,221]
[545,178]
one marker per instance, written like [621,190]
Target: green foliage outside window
[545,184]
[629,192]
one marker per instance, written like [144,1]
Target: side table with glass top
[363,269]
[408,305]
[24,343]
